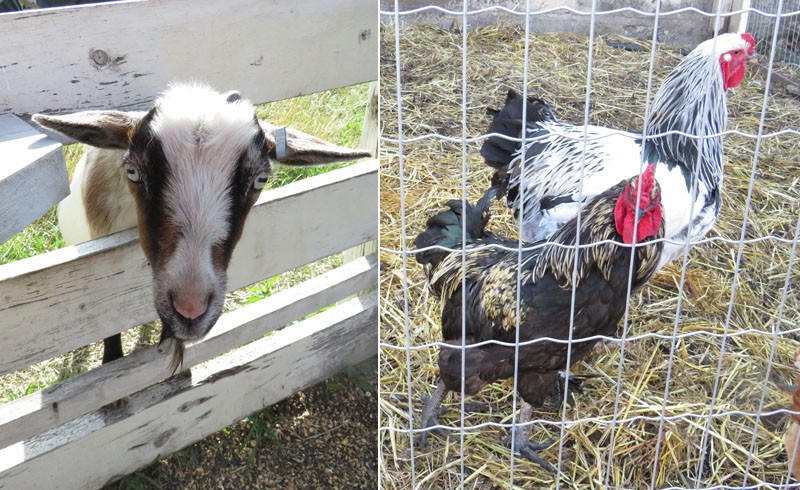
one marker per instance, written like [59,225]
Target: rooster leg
[429,415]
[522,439]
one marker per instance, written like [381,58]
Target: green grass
[41,236]
[359,375]
[335,116]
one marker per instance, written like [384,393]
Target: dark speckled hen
[546,295]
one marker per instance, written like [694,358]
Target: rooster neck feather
[692,101]
[597,226]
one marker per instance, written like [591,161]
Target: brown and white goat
[187,171]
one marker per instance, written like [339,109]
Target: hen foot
[430,412]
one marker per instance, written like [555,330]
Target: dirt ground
[324,437]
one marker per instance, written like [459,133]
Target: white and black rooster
[690,102]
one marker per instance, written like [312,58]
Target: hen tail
[498,152]
[444,229]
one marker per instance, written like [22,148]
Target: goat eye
[261,180]
[132,173]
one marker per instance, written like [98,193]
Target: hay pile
[752,363]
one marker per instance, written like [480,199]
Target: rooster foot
[438,411]
[422,440]
[528,450]
[430,413]
[522,444]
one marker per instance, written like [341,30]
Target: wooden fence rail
[120,55]
[103,444]
[56,302]
[54,299]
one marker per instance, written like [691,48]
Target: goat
[187,172]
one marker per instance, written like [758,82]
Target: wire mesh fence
[693,389]
[763,28]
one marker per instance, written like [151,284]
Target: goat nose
[190,307]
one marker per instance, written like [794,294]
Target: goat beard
[178,347]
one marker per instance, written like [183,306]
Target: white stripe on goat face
[203,139]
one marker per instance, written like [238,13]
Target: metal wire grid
[762,28]
[775,15]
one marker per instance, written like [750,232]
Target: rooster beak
[753,59]
[640,214]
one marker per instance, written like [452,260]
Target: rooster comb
[751,42]
[648,178]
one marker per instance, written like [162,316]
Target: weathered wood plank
[120,55]
[33,175]
[368,141]
[371,127]
[41,411]
[738,22]
[102,445]
[62,300]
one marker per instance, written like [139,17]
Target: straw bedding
[753,359]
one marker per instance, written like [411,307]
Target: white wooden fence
[121,55]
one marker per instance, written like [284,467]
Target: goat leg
[112,348]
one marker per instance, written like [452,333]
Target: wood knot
[365,34]
[99,57]
[102,60]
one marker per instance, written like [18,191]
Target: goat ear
[303,149]
[103,129]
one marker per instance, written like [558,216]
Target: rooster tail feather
[444,229]
[499,152]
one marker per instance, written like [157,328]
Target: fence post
[738,22]
[368,141]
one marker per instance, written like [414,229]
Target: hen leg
[429,415]
[522,439]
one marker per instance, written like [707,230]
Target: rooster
[691,101]
[546,295]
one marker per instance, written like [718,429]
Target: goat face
[195,164]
